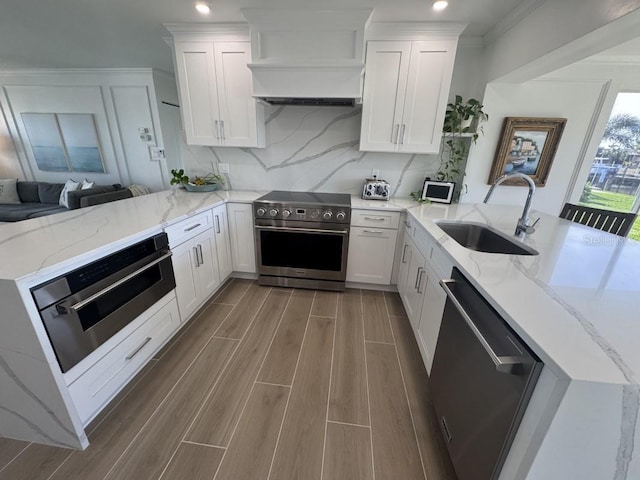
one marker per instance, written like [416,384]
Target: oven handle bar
[310,230]
[77,306]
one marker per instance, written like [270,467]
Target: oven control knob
[261,211]
[314,214]
[327,215]
[273,212]
[340,216]
[286,213]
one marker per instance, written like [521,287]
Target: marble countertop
[34,248]
[575,304]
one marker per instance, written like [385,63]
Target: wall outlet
[375,173]
[223,167]
[156,153]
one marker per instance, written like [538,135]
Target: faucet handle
[531,227]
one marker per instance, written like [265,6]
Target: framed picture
[527,145]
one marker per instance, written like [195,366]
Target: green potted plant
[456,131]
[179,178]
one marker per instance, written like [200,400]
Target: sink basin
[482,238]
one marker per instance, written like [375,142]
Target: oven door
[82,322]
[303,252]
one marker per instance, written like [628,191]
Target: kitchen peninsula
[573,304]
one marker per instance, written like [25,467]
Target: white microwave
[439,192]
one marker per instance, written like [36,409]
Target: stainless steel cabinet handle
[407,224]
[137,350]
[222,128]
[217,129]
[394,136]
[404,252]
[503,364]
[377,232]
[192,227]
[418,275]
[376,219]
[420,279]
[217,224]
[201,260]
[402,134]
[195,254]
[104,291]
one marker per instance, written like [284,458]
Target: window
[614,180]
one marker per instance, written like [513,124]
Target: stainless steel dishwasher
[482,378]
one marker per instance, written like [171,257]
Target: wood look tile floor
[265,383]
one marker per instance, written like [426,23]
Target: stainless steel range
[302,239]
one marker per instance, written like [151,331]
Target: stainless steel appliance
[85,307]
[302,239]
[482,378]
[375,189]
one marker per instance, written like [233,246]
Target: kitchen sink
[482,238]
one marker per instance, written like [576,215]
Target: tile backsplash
[311,149]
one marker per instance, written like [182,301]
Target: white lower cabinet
[196,272]
[243,252]
[104,379]
[431,317]
[372,246]
[422,265]
[411,280]
[223,243]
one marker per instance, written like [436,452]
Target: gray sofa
[41,198]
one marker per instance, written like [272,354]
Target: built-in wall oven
[302,239]
[85,307]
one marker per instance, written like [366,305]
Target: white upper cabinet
[216,89]
[406,88]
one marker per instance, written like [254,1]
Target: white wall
[574,100]
[121,101]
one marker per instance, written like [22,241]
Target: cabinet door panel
[207,270]
[429,76]
[187,283]
[223,244]
[242,237]
[432,308]
[195,66]
[371,255]
[415,287]
[384,91]
[235,90]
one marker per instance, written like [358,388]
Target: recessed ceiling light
[203,7]
[440,4]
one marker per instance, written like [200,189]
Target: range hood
[307,57]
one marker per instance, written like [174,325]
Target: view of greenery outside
[614,179]
[619,202]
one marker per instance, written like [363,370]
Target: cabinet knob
[261,211]
[273,212]
[327,215]
[286,213]
[341,216]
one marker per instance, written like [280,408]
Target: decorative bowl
[207,187]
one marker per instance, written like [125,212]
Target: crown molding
[514,17]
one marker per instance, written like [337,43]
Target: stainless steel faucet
[525,225]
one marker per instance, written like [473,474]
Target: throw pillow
[69,186]
[49,193]
[87,184]
[9,191]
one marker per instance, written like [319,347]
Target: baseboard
[246,275]
[372,286]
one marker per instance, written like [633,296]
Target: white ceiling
[128,33]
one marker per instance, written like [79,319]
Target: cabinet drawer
[375,218]
[98,385]
[186,229]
